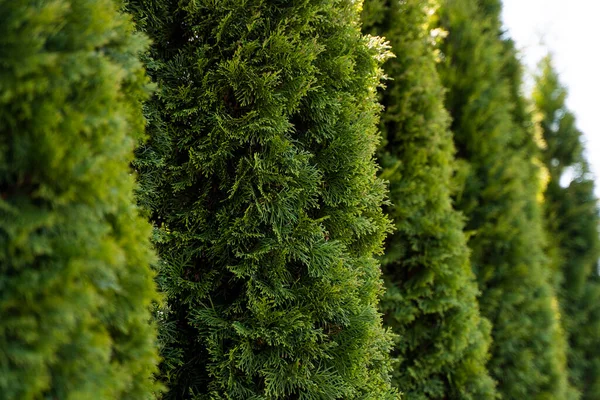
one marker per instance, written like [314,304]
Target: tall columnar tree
[430,302]
[75,277]
[500,198]
[573,219]
[260,177]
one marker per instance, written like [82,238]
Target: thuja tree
[572,213]
[260,177]
[430,301]
[75,277]
[500,197]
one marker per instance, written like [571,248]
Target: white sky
[568,28]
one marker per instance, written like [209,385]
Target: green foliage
[573,220]
[75,277]
[430,302]
[501,198]
[260,178]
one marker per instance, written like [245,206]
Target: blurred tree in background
[501,198]
[430,302]
[572,215]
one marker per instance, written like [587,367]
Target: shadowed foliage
[260,178]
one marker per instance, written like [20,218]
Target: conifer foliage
[573,220]
[430,302]
[75,278]
[260,177]
[500,200]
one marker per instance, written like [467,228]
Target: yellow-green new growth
[75,277]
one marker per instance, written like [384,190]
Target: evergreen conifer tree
[75,277]
[430,302]
[572,213]
[260,178]
[501,199]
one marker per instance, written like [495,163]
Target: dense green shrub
[75,278]
[501,199]
[572,213]
[260,178]
[430,302]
